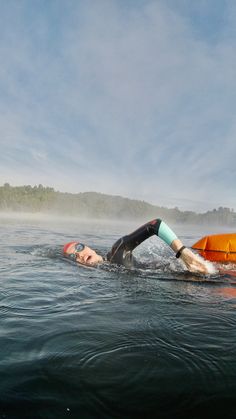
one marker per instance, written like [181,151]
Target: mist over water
[110,342]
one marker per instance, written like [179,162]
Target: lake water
[80,342]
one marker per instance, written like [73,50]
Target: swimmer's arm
[131,241]
[193,262]
[158,227]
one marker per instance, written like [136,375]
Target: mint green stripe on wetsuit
[165,233]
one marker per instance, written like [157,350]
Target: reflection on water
[108,342]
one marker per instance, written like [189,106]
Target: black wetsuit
[121,252]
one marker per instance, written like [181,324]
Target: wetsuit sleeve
[121,251]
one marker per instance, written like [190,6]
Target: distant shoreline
[43,202]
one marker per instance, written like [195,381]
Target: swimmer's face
[86,256]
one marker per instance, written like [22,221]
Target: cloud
[129,98]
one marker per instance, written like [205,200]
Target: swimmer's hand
[192,261]
[196,263]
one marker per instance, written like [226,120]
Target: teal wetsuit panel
[165,233]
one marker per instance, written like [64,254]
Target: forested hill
[40,199]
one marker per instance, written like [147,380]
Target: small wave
[138,363]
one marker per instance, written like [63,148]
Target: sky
[125,97]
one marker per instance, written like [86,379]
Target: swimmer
[121,251]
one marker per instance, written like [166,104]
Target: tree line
[40,199]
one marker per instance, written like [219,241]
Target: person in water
[121,251]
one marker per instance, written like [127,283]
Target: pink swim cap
[67,245]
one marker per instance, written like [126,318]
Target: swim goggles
[78,248]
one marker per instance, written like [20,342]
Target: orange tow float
[218,247]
